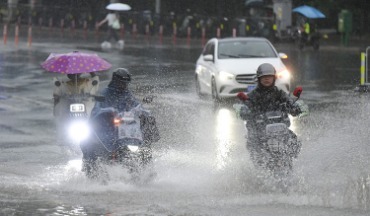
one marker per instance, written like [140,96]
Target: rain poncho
[262,100]
[122,100]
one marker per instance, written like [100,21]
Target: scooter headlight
[133,148]
[79,130]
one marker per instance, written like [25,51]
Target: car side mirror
[208,57]
[283,56]
[297,91]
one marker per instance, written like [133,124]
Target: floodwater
[202,165]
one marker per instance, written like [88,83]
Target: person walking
[114,25]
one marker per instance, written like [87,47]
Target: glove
[303,108]
[241,110]
[297,91]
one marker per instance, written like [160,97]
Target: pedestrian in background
[114,25]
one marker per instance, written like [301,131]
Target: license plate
[77,108]
[250,88]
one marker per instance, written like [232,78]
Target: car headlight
[285,74]
[133,148]
[79,130]
[226,76]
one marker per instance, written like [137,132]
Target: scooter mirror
[297,91]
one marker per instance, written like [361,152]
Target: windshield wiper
[251,56]
[230,56]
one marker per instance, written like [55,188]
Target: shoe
[106,45]
[121,44]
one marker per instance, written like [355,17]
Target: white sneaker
[106,45]
[121,44]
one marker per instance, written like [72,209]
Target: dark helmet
[122,75]
[265,69]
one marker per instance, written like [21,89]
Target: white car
[229,65]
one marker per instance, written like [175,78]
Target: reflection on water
[75,210]
[74,165]
[223,136]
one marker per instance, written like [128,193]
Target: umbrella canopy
[118,7]
[75,63]
[309,12]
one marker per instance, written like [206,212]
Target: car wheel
[215,96]
[197,88]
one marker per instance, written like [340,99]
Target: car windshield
[245,49]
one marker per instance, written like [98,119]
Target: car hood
[247,66]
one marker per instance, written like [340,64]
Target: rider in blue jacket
[117,98]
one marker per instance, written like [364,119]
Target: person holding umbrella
[114,25]
[74,65]
[75,85]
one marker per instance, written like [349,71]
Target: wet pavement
[201,162]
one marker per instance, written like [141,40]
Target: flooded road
[202,165]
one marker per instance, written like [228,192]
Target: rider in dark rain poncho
[117,98]
[267,97]
[117,94]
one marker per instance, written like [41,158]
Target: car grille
[246,78]
[234,91]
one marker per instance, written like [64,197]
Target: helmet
[121,74]
[265,69]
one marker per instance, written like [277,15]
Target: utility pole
[158,6]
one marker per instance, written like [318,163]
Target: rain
[201,165]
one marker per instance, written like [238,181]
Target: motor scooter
[277,145]
[119,138]
[73,122]
[72,108]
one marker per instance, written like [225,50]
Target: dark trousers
[112,33]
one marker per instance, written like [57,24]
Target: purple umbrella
[75,63]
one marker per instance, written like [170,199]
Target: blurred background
[268,18]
